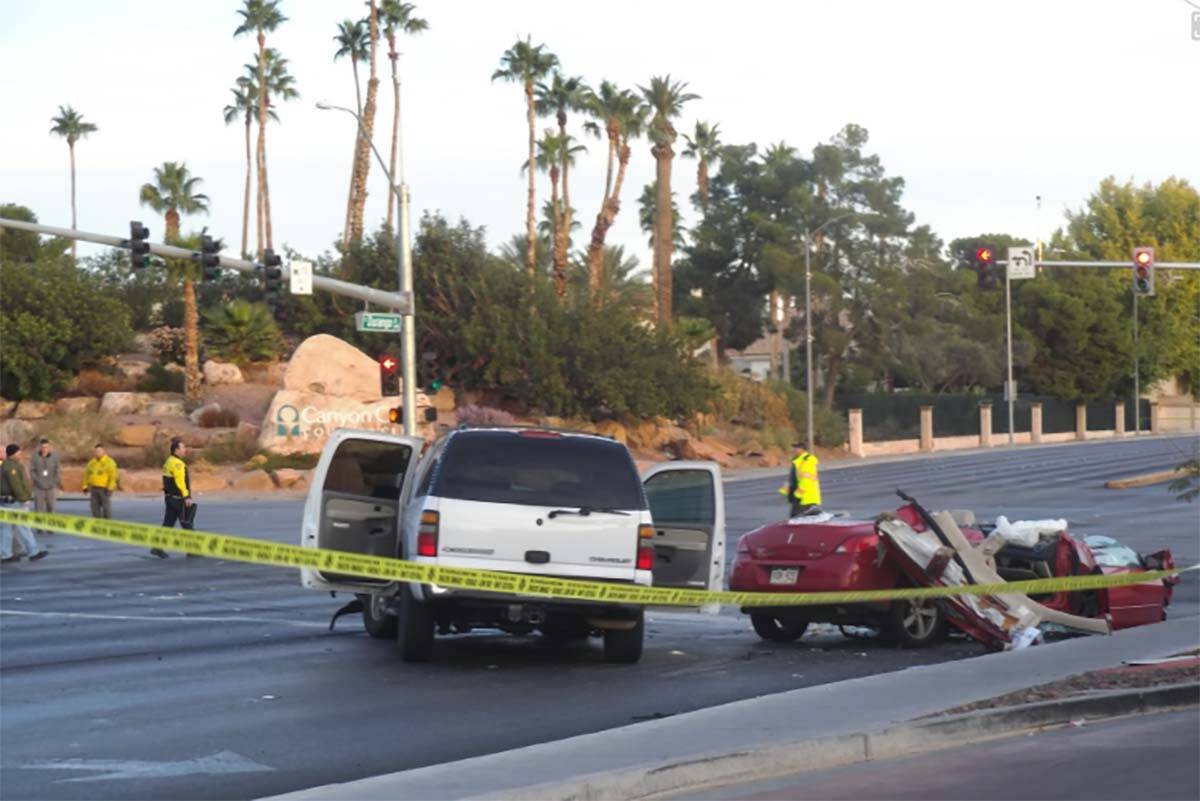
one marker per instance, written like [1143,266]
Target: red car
[828,554]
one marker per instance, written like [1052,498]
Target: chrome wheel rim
[919,618]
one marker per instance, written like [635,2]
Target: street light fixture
[408,339]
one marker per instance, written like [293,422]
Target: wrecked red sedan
[912,547]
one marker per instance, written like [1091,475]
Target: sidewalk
[624,762]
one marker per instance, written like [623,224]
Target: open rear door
[354,502]
[687,506]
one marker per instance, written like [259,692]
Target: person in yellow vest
[177,492]
[803,489]
[99,482]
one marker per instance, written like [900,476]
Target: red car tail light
[427,534]
[645,552]
[857,544]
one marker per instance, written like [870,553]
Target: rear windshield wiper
[584,511]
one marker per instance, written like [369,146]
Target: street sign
[1021,264]
[1010,391]
[377,321]
[300,277]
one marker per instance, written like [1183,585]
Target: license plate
[785,575]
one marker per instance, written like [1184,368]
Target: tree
[174,193]
[622,118]
[245,101]
[526,64]
[647,213]
[704,146]
[362,152]
[623,283]
[70,125]
[558,97]
[665,98]
[261,17]
[549,148]
[242,332]
[280,86]
[354,42]
[397,16]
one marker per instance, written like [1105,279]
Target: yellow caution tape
[263,552]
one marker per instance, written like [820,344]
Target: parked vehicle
[824,553]
[519,500]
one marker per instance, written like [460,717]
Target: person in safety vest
[803,489]
[177,492]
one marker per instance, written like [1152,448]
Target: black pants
[176,513]
[801,508]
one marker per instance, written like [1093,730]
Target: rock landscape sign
[377,321]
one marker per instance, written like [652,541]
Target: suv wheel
[625,645]
[773,629]
[415,623]
[378,623]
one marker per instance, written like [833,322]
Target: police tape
[348,566]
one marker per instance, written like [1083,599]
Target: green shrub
[229,449]
[159,379]
[169,344]
[74,436]
[829,425]
[154,454]
[241,332]
[291,461]
[750,403]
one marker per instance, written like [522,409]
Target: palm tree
[526,64]
[397,16]
[70,125]
[245,101]
[704,149]
[280,86]
[647,212]
[623,283]
[261,17]
[353,41]
[555,153]
[559,96]
[623,118]
[174,193]
[665,98]
[362,152]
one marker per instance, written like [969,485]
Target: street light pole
[408,335]
[808,335]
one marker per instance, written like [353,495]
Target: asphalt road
[1141,757]
[123,676]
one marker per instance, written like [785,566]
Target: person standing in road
[46,474]
[803,489]
[100,481]
[177,492]
[15,491]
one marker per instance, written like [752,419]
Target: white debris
[1025,637]
[1027,532]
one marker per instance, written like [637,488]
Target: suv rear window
[566,471]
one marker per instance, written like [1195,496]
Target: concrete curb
[931,734]
[1144,480]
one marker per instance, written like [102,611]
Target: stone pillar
[1155,418]
[926,428]
[1081,421]
[1119,426]
[1035,422]
[985,425]
[856,432]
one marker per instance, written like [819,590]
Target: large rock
[611,428]
[247,431]
[201,411]
[18,431]
[139,480]
[136,436]
[6,407]
[165,408]
[122,402]
[76,405]
[258,481]
[300,422]
[207,482]
[33,410]
[221,373]
[689,448]
[326,365]
[288,478]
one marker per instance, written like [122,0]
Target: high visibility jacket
[177,483]
[804,482]
[100,473]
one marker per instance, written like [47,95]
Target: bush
[97,383]
[169,344]
[484,416]
[229,449]
[830,426]
[154,454]
[241,332]
[218,418]
[74,436]
[291,461]
[750,403]
[159,379]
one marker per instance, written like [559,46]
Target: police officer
[177,492]
[803,489]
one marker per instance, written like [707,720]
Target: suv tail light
[645,553]
[427,534]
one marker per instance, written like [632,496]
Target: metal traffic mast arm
[400,301]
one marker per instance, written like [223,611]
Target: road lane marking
[223,762]
[159,618]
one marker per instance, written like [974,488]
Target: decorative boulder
[122,402]
[76,405]
[326,365]
[221,373]
[287,478]
[18,431]
[136,436]
[258,481]
[300,422]
[200,412]
[165,408]
[33,410]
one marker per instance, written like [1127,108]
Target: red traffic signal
[985,255]
[388,364]
[1143,271]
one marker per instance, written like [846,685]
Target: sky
[981,107]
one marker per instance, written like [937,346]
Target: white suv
[519,500]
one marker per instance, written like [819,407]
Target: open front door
[358,489]
[687,506]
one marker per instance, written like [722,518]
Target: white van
[520,500]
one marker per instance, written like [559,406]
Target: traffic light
[1143,271]
[272,269]
[389,378]
[210,260]
[139,248]
[985,266]
[434,377]
[396,415]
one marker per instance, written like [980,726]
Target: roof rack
[514,427]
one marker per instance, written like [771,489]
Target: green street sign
[377,321]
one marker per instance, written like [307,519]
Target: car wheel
[378,623]
[916,622]
[625,645]
[415,623]
[772,629]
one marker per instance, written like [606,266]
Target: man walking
[15,491]
[46,474]
[99,482]
[803,489]
[177,492]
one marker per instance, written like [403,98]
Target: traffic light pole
[1008,387]
[1137,373]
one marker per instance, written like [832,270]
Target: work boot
[10,559]
[42,554]
[159,552]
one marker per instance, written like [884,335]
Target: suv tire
[625,645]
[415,623]
[378,623]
